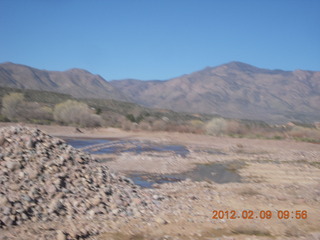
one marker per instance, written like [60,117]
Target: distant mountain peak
[78,70]
[11,64]
[7,63]
[238,64]
[241,66]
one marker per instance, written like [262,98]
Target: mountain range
[77,82]
[234,90]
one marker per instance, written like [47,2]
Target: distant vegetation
[41,107]
[76,113]
[11,106]
[16,108]
[259,129]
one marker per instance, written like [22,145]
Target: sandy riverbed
[278,175]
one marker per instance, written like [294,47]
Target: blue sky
[159,39]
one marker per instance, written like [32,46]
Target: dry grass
[121,236]
[305,134]
[250,230]
[293,232]
[248,192]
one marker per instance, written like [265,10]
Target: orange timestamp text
[260,214]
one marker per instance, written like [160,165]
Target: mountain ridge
[76,82]
[234,90]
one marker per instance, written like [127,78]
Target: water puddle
[81,143]
[214,172]
[177,149]
[209,151]
[146,180]
[104,146]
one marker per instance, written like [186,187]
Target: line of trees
[15,108]
[70,112]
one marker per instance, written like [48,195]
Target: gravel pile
[43,179]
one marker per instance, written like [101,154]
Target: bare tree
[76,113]
[216,127]
[11,106]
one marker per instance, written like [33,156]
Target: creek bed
[216,172]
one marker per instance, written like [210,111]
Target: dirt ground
[280,177]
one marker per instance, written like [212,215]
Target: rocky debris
[44,179]
[61,235]
[160,220]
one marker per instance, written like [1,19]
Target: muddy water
[216,172]
[81,143]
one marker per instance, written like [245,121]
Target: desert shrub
[216,127]
[112,119]
[197,123]
[134,119]
[139,118]
[145,126]
[235,128]
[196,126]
[131,118]
[304,134]
[12,106]
[174,127]
[98,111]
[126,125]
[159,125]
[45,113]
[129,126]
[34,112]
[277,137]
[77,114]
[3,118]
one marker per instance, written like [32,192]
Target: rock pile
[43,179]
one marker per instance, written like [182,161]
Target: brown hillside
[236,90]
[76,82]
